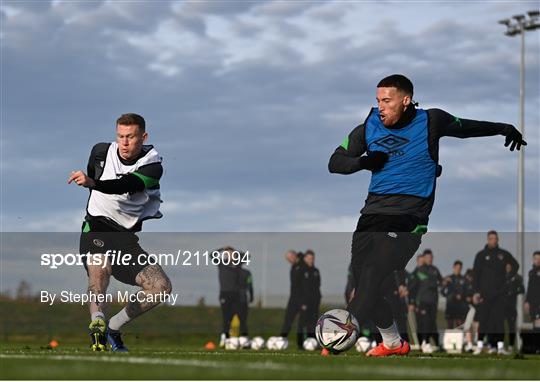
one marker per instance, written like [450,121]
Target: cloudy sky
[247,100]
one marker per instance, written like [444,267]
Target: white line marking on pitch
[384,370]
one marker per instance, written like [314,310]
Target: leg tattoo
[153,281]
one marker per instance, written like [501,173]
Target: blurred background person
[229,291]
[425,281]
[294,303]
[471,320]
[246,297]
[489,281]
[532,299]
[455,290]
[512,288]
[310,299]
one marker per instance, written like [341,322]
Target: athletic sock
[390,336]
[119,319]
[98,314]
[500,345]
[480,344]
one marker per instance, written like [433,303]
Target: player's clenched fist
[81,179]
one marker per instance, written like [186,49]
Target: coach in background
[426,280]
[294,303]
[489,281]
[532,299]
[229,291]
[246,297]
[513,286]
[455,291]
[310,295]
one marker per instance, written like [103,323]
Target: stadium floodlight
[513,28]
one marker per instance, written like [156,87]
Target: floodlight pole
[521,188]
[520,27]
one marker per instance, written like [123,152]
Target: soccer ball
[337,330]
[363,344]
[277,343]
[244,342]
[232,343]
[310,344]
[257,343]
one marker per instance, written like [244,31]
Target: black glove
[374,161]
[514,138]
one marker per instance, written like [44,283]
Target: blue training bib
[410,170]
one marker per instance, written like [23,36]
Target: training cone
[325,352]
[53,344]
[210,346]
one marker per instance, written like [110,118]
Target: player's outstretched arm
[348,158]
[145,177]
[449,126]
[127,183]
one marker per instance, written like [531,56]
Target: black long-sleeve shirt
[455,291]
[347,159]
[296,274]
[533,288]
[246,285]
[490,270]
[425,281]
[130,183]
[310,286]
[513,286]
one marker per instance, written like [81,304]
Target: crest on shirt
[98,243]
[500,256]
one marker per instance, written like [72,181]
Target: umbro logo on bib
[392,142]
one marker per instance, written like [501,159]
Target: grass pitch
[168,362]
[168,343]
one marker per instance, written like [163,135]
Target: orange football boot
[383,351]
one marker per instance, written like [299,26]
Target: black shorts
[124,244]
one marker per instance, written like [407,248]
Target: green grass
[167,343]
[180,362]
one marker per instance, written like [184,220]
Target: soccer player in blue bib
[399,144]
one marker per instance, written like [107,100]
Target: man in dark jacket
[455,290]
[426,280]
[513,286]
[532,299]
[294,303]
[229,291]
[246,297]
[310,299]
[489,279]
